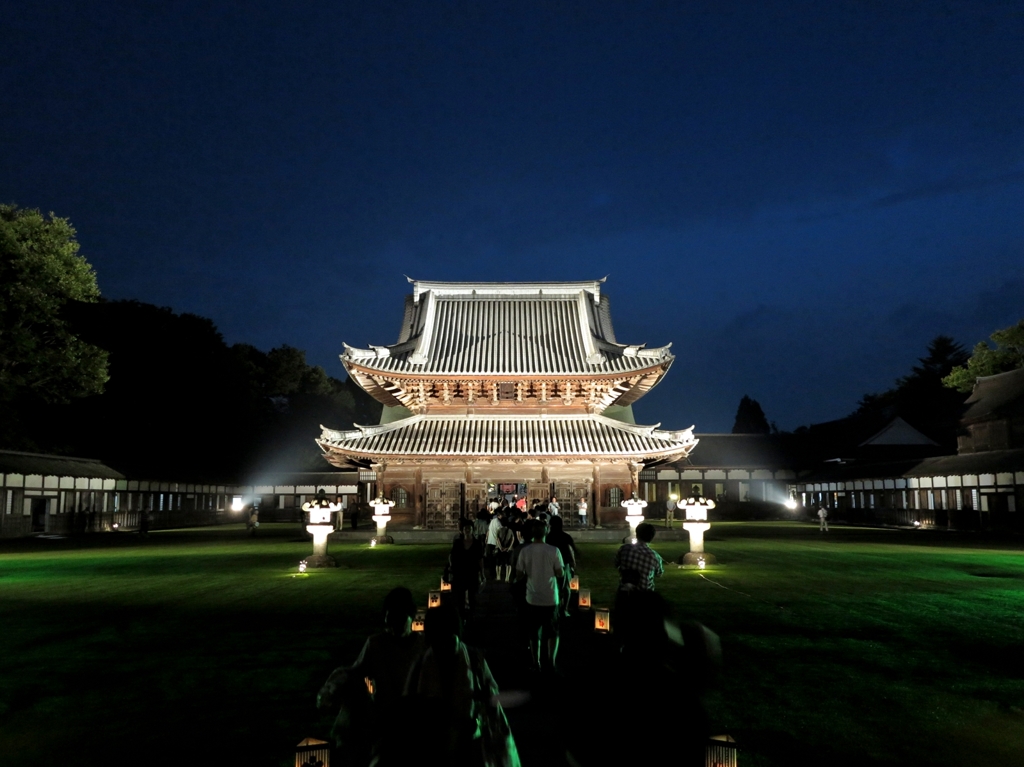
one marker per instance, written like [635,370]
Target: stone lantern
[634,514]
[696,509]
[320,526]
[382,515]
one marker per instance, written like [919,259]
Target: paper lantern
[446,586]
[434,599]
[584,599]
[574,583]
[313,753]
[302,566]
[418,623]
[602,621]
[370,686]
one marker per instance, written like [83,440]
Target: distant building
[62,495]
[982,487]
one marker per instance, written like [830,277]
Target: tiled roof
[508,436]
[54,465]
[995,396]
[989,462]
[507,329]
[761,451]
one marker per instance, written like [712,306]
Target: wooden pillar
[634,476]
[419,498]
[597,493]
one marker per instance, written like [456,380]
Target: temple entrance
[568,492]
[39,508]
[444,504]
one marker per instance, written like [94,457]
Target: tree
[920,397]
[182,403]
[40,271]
[750,418]
[1007,355]
[41,360]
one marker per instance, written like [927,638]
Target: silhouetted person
[662,669]
[452,716]
[354,516]
[386,659]
[465,568]
[638,563]
[540,564]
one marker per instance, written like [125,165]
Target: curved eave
[502,438]
[375,382]
[341,457]
[630,365]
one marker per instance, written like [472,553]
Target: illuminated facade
[500,389]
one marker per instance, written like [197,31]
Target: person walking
[540,564]
[466,569]
[505,538]
[823,518]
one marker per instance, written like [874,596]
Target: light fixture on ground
[634,515]
[696,508]
[320,526]
[382,515]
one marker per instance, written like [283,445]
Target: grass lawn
[869,646]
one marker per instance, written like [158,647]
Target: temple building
[502,389]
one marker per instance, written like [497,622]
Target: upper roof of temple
[511,329]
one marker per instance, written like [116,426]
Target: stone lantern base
[321,560]
[689,561]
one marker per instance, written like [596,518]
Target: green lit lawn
[887,646]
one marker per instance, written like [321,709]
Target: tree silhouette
[750,418]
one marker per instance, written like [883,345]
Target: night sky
[799,196]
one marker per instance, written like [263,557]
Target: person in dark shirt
[383,664]
[465,568]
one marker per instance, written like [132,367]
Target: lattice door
[538,492]
[568,493]
[476,498]
[443,499]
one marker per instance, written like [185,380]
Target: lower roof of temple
[495,437]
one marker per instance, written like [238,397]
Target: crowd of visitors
[442,690]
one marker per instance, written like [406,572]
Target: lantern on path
[574,583]
[419,622]
[584,599]
[445,585]
[313,753]
[434,599]
[602,620]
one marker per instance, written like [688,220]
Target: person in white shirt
[553,507]
[541,565]
[581,509]
[492,542]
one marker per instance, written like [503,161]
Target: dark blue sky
[798,195]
